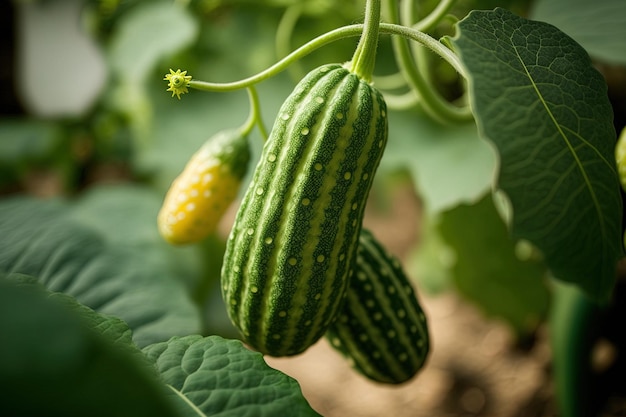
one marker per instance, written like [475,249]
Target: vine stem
[327,38]
[254,118]
[430,99]
[364,57]
[435,16]
[401,101]
[284,33]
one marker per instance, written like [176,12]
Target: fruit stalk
[364,58]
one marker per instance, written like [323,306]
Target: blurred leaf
[430,262]
[598,26]
[236,44]
[487,269]
[146,34]
[58,358]
[40,238]
[222,378]
[26,140]
[450,164]
[141,39]
[537,97]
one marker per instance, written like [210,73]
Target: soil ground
[474,369]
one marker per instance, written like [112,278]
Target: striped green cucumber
[381,329]
[289,255]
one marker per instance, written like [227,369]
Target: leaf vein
[561,131]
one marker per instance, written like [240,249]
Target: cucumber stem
[364,58]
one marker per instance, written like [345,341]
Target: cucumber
[201,194]
[381,329]
[289,254]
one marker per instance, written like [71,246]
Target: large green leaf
[536,96]
[599,26]
[122,214]
[125,215]
[487,269]
[58,358]
[212,376]
[135,283]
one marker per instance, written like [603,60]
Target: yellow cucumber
[209,183]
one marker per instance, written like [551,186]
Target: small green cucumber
[381,328]
[289,255]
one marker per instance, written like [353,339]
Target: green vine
[325,39]
[429,22]
[284,32]
[254,118]
[412,74]
[431,101]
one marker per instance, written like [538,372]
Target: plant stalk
[364,58]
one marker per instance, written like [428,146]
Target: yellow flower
[177,82]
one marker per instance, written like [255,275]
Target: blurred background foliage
[85,117]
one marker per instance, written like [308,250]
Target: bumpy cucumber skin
[290,252]
[201,194]
[381,329]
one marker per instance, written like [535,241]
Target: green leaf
[537,97]
[135,283]
[213,376]
[488,270]
[58,358]
[125,216]
[599,26]
[450,164]
[148,33]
